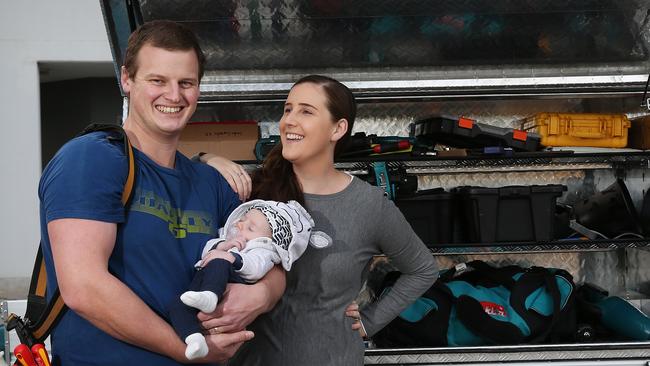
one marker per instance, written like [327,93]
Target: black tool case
[508,214]
[492,61]
[466,133]
[431,215]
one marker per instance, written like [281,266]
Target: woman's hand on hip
[352,311]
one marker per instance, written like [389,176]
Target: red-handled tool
[40,355]
[390,146]
[24,355]
[381,148]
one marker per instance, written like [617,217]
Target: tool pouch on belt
[42,315]
[486,306]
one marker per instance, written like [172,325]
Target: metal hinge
[4,314]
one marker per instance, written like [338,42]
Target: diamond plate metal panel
[262,112]
[539,354]
[393,118]
[390,48]
[567,261]
[608,269]
[602,268]
[270,34]
[573,179]
[605,269]
[637,273]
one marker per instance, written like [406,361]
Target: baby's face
[253,225]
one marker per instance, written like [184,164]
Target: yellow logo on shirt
[180,222]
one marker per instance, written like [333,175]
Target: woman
[308,325]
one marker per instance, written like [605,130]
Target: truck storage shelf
[533,161]
[548,246]
[578,354]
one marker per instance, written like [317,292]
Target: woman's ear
[340,129]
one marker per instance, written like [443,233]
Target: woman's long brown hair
[276,179]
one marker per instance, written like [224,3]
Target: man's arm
[241,303]
[81,249]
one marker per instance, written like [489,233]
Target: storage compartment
[493,62]
[626,277]
[508,214]
[579,129]
[431,215]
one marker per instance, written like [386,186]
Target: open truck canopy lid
[407,48]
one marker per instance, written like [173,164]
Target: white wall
[33,31]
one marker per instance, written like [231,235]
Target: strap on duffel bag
[513,305]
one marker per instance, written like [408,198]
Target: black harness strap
[469,310]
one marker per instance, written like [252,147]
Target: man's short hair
[166,34]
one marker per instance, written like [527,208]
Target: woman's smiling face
[306,126]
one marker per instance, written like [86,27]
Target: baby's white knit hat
[291,227]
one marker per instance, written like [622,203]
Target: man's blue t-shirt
[160,235]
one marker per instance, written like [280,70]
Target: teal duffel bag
[483,305]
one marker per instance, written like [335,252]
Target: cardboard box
[232,140]
[640,133]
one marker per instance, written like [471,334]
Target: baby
[259,234]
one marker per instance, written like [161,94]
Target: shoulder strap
[41,316]
[534,278]
[128,152]
[473,316]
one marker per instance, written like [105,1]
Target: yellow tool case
[579,129]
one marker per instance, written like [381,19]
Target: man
[119,269]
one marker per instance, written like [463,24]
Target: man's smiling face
[164,91]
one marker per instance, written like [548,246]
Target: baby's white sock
[196,346]
[206,301]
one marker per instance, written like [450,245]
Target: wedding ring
[214,330]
